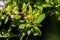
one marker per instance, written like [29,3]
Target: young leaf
[29,32]
[8,8]
[6,20]
[40,19]
[15,8]
[14,2]
[36,16]
[30,9]
[40,8]
[36,31]
[17,16]
[24,6]
[21,26]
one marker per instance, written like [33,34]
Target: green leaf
[17,17]
[3,16]
[14,2]
[15,8]
[24,6]
[0,13]
[40,8]
[21,26]
[47,0]
[9,8]
[9,13]
[28,25]
[29,32]
[36,16]
[30,9]
[6,20]
[36,31]
[28,4]
[34,11]
[22,21]
[40,19]
[9,0]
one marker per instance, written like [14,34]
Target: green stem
[27,37]
[22,36]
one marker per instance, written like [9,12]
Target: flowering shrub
[23,17]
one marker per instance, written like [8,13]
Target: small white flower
[12,16]
[2,3]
